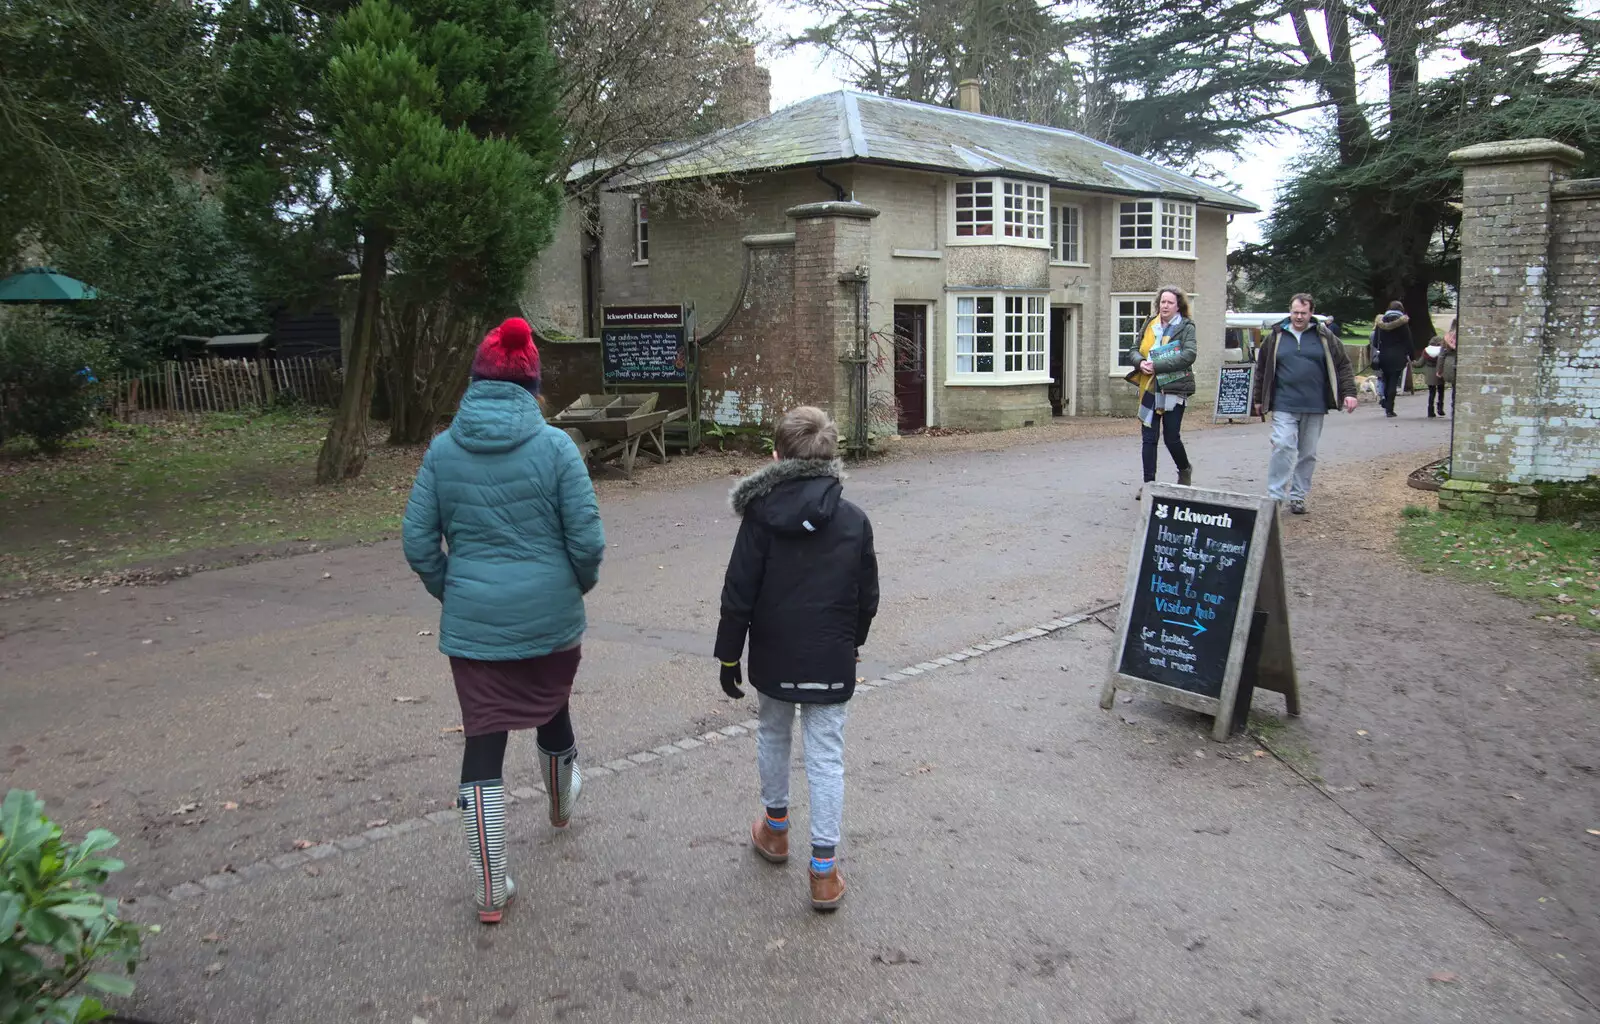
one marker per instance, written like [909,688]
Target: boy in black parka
[803,583]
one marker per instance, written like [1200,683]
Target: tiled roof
[852,126]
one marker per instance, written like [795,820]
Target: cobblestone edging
[143,906]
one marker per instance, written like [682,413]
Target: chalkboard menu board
[1191,578]
[1204,567]
[1235,384]
[644,345]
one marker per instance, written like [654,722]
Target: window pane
[1014,340]
[1132,315]
[1177,227]
[1035,212]
[1068,250]
[974,208]
[974,343]
[1036,333]
[1136,225]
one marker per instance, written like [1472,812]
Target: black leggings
[1391,384]
[1168,426]
[485,756]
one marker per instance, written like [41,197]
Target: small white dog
[1367,385]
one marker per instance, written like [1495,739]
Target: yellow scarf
[1146,380]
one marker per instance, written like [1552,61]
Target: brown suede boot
[772,845]
[827,890]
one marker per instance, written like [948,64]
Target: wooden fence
[193,388]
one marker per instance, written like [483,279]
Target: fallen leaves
[451,728]
[409,700]
[1444,977]
[377,822]
[229,805]
[303,844]
[184,809]
[213,970]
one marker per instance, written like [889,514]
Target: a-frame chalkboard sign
[1205,608]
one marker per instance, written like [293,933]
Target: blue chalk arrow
[1198,629]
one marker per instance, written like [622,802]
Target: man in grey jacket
[1302,374]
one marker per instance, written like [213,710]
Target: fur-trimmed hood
[791,495]
[1391,320]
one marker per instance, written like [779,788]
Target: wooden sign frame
[687,430]
[1250,387]
[1261,590]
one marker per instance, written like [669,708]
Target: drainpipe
[856,363]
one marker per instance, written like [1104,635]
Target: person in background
[510,498]
[1302,374]
[1165,377]
[1391,336]
[1442,373]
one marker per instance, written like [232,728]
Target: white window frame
[641,232]
[1149,298]
[1058,242]
[1119,320]
[1165,226]
[1018,338]
[999,211]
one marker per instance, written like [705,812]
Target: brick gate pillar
[1506,235]
[832,241]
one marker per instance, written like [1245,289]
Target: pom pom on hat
[507,353]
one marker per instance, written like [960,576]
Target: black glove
[731,678]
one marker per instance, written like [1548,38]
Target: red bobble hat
[507,353]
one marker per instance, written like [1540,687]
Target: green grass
[128,495]
[1555,566]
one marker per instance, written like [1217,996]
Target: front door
[911,366]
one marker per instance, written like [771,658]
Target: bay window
[999,338]
[997,211]
[1155,227]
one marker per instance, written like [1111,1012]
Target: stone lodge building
[992,273]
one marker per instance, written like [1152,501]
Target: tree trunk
[428,350]
[344,453]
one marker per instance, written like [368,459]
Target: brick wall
[781,344]
[568,369]
[1572,333]
[748,371]
[1528,374]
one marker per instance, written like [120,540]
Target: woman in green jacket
[510,498]
[1165,377]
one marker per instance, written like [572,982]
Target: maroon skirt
[497,696]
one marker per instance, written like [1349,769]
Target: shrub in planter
[55,927]
[47,387]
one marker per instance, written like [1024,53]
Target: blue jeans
[822,728]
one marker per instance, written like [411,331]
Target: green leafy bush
[55,928]
[47,389]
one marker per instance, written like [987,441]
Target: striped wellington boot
[483,820]
[563,782]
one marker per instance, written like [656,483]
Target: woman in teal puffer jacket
[510,498]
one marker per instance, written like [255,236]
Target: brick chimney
[745,92]
[968,94]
